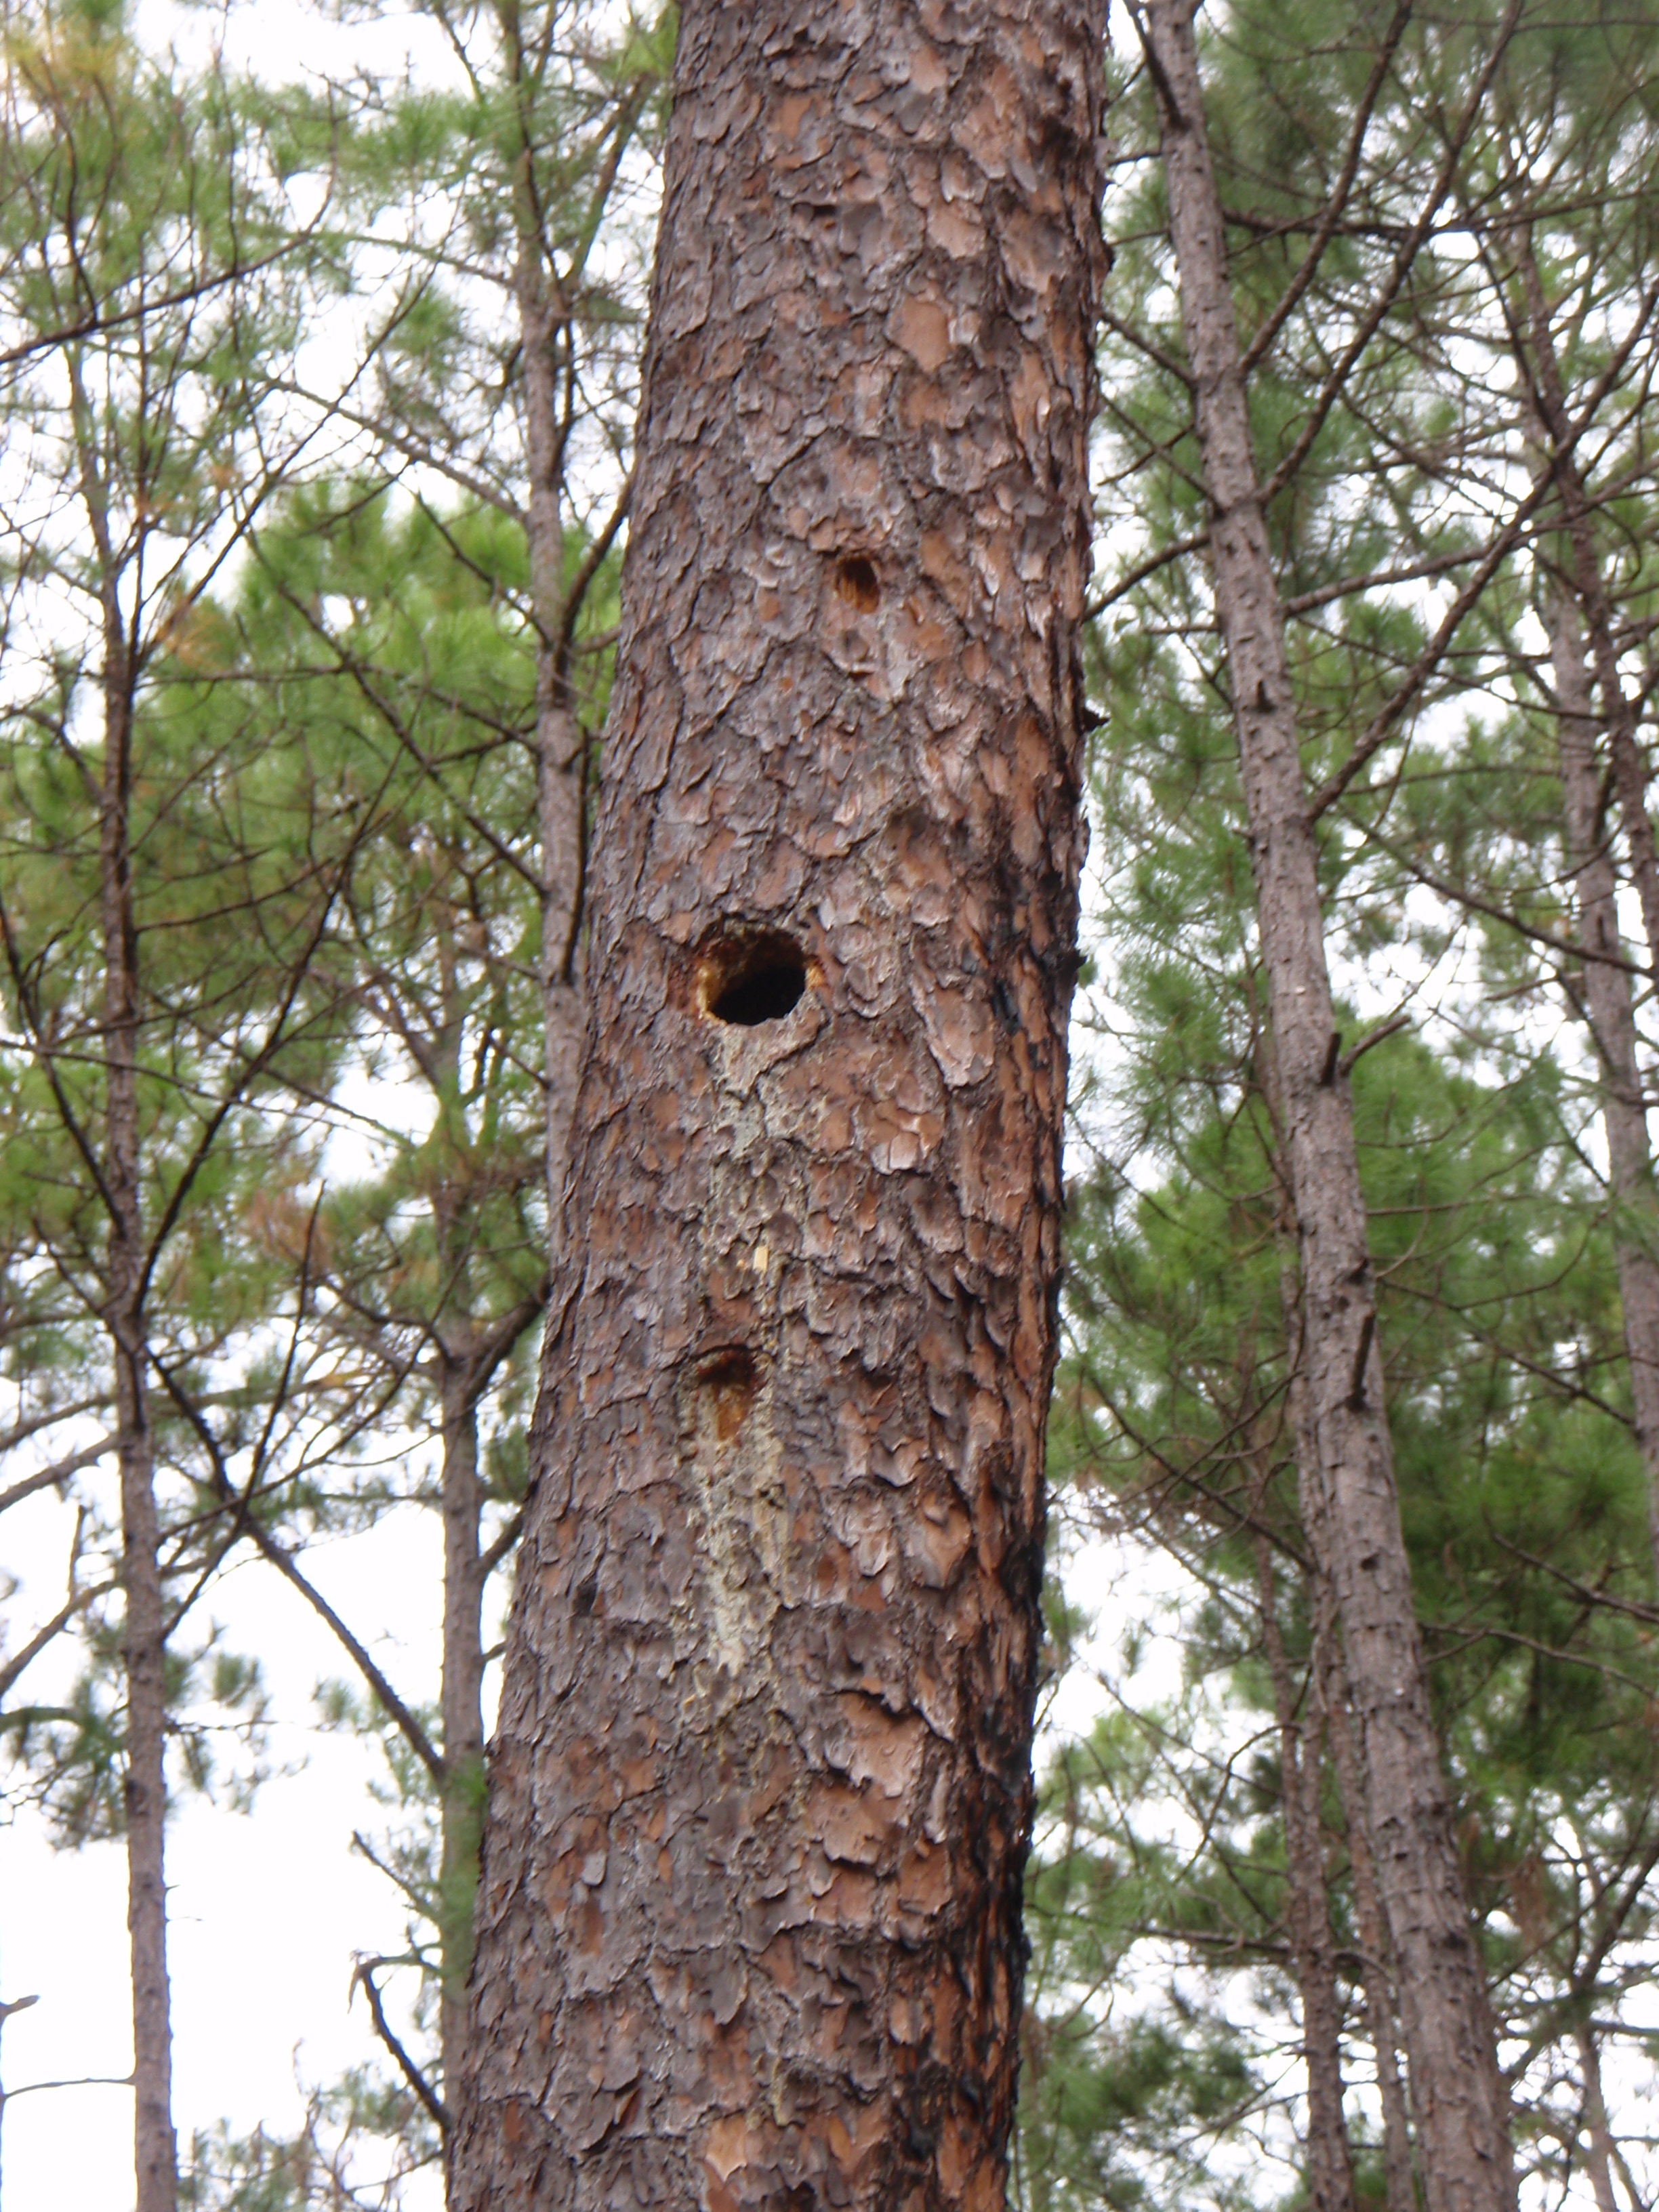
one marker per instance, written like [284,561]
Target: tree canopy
[318,392]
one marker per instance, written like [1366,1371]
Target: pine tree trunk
[1308,1914]
[1377,1951]
[1462,2111]
[1608,1004]
[1599,2160]
[461,1702]
[561,741]
[750,1925]
[155,2149]
[1629,773]
[1609,1009]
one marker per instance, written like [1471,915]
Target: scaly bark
[1308,1916]
[1460,2107]
[749,1929]
[1609,1010]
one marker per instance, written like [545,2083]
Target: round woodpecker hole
[727,1382]
[858,584]
[751,979]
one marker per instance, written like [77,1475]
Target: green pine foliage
[321,580]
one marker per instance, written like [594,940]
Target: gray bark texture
[561,740]
[1399,2183]
[144,1639]
[1599,2155]
[1609,1010]
[1308,1917]
[461,1706]
[1609,1006]
[1630,772]
[749,1929]
[1460,2107]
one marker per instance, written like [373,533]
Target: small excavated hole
[753,979]
[727,1383]
[857,582]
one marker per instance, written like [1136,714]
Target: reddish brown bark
[1462,2111]
[750,1919]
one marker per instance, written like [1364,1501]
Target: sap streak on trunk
[748,1929]
[1610,1012]
[1455,2086]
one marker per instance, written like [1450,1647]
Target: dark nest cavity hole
[747,981]
[858,584]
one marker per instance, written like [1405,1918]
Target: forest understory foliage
[316,453]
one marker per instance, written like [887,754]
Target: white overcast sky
[269,1911]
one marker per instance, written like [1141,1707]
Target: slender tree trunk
[1377,1951]
[1609,1008]
[1462,2109]
[1609,1002]
[548,343]
[1330,2165]
[1399,2181]
[1599,2163]
[561,741]
[155,2148]
[461,1699]
[750,1925]
[1376,1974]
[16,2004]
[1630,772]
